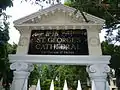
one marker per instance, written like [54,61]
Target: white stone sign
[59,17]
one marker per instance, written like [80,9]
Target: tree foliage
[72,73]
[114,51]
[4,4]
[106,9]
[59,73]
[5,72]
[100,8]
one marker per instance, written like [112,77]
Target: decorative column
[98,73]
[21,73]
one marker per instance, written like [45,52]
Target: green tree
[106,9]
[73,73]
[34,76]
[4,62]
[59,73]
[4,4]
[5,73]
[114,51]
[4,37]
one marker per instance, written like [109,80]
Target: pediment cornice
[49,12]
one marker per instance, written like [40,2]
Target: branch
[86,20]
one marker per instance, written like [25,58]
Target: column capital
[21,74]
[21,66]
[98,71]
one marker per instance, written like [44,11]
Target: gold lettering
[43,46]
[73,47]
[38,46]
[51,40]
[56,34]
[49,46]
[59,40]
[40,40]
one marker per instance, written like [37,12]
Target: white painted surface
[93,85]
[52,85]
[107,86]
[53,9]
[113,84]
[22,62]
[98,74]
[79,85]
[21,73]
[20,80]
[65,87]
[38,85]
[60,59]
[59,17]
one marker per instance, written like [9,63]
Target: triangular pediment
[58,14]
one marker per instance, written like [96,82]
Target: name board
[58,42]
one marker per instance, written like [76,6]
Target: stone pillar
[21,73]
[98,73]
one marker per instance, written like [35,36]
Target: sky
[20,10]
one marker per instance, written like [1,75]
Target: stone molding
[98,72]
[21,75]
[60,59]
[94,41]
[23,41]
[21,66]
[58,7]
